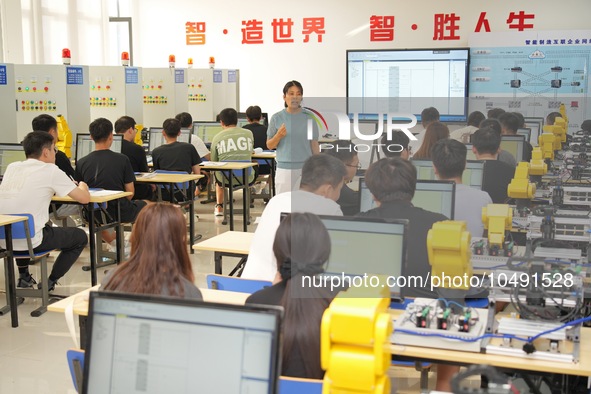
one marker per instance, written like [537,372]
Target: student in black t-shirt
[302,248]
[48,124]
[125,126]
[486,144]
[259,133]
[344,150]
[109,170]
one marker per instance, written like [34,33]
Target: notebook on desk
[149,344]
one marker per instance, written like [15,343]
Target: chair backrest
[237,174]
[288,385]
[232,283]
[76,364]
[182,185]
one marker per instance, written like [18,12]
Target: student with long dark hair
[159,263]
[302,247]
[435,131]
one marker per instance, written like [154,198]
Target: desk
[79,303]
[230,243]
[582,368]
[170,179]
[98,199]
[269,158]
[6,221]
[226,169]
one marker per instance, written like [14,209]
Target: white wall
[320,67]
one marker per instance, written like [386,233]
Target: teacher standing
[288,133]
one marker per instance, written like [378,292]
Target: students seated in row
[27,187]
[105,169]
[125,126]
[435,132]
[159,263]
[186,121]
[322,180]
[392,183]
[486,145]
[449,161]
[503,155]
[344,150]
[301,248]
[397,146]
[231,144]
[463,134]
[495,113]
[509,125]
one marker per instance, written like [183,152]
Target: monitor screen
[436,196]
[156,138]
[536,125]
[353,238]
[407,81]
[514,145]
[473,173]
[525,132]
[85,144]
[9,153]
[167,345]
[242,119]
[470,155]
[206,130]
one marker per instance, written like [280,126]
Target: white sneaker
[218,210]
[126,247]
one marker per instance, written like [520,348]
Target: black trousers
[70,240]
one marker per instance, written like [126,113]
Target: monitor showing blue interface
[156,138]
[407,81]
[147,344]
[472,175]
[434,196]
[206,130]
[85,144]
[353,238]
[513,144]
[9,153]
[525,132]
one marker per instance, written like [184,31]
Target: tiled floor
[33,356]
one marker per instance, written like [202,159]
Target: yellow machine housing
[520,187]
[138,135]
[448,248]
[64,136]
[537,166]
[497,218]
[546,144]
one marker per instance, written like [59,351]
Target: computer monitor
[473,173]
[352,238]
[436,196]
[425,170]
[10,153]
[525,132]
[85,145]
[243,119]
[206,130]
[157,138]
[150,344]
[536,125]
[470,155]
[513,144]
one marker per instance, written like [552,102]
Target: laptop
[149,344]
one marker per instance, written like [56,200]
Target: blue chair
[182,187]
[76,364]
[232,283]
[289,385]
[23,230]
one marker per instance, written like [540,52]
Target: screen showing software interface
[416,79]
[85,145]
[9,155]
[142,347]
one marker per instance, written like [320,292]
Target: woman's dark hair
[435,131]
[302,247]
[289,85]
[159,257]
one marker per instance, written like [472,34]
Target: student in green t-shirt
[231,144]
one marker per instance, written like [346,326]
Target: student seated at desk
[231,144]
[159,263]
[344,150]
[186,121]
[302,248]
[259,133]
[28,187]
[105,169]
[125,126]
[322,180]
